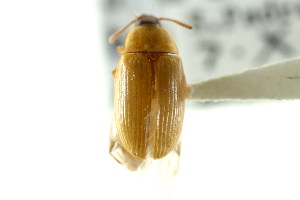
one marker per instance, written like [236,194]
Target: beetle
[149,90]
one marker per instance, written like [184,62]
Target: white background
[55,117]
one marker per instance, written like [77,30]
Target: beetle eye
[148,20]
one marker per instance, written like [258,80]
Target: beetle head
[146,20]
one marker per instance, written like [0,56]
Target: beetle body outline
[149,91]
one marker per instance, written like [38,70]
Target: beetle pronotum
[149,90]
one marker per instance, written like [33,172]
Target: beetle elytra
[149,91]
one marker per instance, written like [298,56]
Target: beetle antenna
[177,22]
[114,36]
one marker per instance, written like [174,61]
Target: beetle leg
[114,72]
[120,49]
[175,158]
[167,166]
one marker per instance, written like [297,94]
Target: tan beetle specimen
[149,91]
